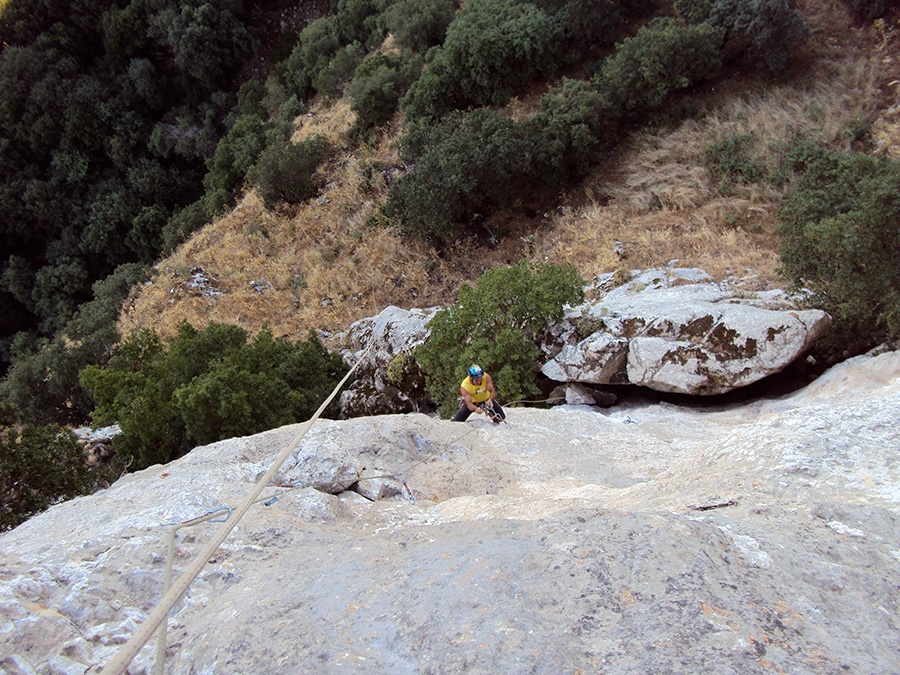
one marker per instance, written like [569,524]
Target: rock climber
[478,395]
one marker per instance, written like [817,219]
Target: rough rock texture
[667,332]
[759,538]
[388,380]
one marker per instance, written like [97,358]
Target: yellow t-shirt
[479,392]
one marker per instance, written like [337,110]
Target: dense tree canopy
[125,124]
[108,111]
[840,232]
[207,385]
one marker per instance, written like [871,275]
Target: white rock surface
[760,538]
[666,331]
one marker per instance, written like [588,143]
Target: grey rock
[388,380]
[653,539]
[666,333]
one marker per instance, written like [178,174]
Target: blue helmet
[476,371]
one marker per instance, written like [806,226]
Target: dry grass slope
[321,266]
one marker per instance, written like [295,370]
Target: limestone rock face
[388,380]
[668,333]
[648,538]
[670,330]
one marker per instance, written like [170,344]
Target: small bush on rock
[497,323]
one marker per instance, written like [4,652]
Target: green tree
[208,40]
[661,58]
[267,383]
[318,43]
[134,390]
[840,240]
[497,323]
[108,112]
[569,129]
[376,88]
[182,223]
[39,466]
[419,25]
[286,172]
[43,383]
[493,48]
[357,21]
[469,163]
[586,24]
[771,29]
[238,150]
[205,386]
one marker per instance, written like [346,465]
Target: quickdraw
[492,414]
[410,497]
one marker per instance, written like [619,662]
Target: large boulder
[673,330]
[388,380]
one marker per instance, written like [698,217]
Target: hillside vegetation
[700,182]
[281,168]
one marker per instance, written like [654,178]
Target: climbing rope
[156,620]
[121,659]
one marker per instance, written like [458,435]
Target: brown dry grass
[314,266]
[321,266]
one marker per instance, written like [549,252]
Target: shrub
[496,323]
[569,129]
[357,21]
[477,162]
[376,88]
[419,25]
[318,43]
[286,172]
[205,386]
[730,162]
[661,58]
[39,466]
[235,154]
[771,29]
[181,224]
[840,240]
[492,49]
[584,24]
[330,80]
